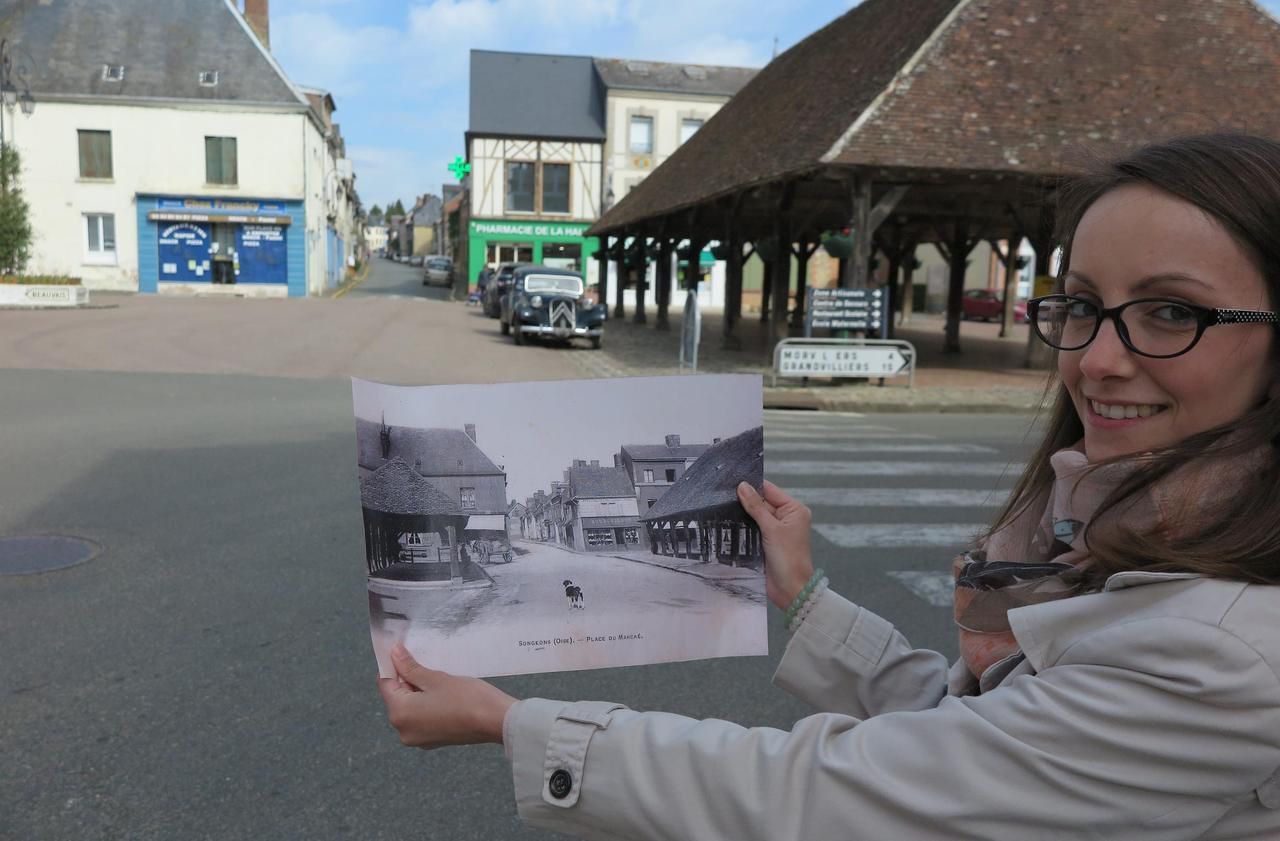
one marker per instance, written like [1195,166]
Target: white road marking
[887,497]
[835,447]
[896,535]
[781,467]
[936,588]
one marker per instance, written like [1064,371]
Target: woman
[1120,623]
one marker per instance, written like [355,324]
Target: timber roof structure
[978,106]
[710,485]
[395,488]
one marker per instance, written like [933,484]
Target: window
[220,160]
[555,188]
[95,153]
[641,135]
[648,475]
[468,497]
[208,78]
[100,238]
[671,474]
[688,128]
[520,187]
[113,72]
[651,502]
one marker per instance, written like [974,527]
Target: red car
[988,306]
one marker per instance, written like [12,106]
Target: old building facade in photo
[653,468]
[602,511]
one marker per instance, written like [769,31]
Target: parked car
[543,301]
[497,287]
[988,306]
[437,270]
[416,260]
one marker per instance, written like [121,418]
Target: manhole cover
[25,555]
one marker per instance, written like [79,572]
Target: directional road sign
[800,360]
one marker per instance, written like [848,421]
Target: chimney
[617,459]
[715,440]
[673,441]
[257,13]
[471,432]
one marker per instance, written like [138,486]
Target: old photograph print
[551,526]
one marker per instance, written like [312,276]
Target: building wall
[491,491]
[375,237]
[625,170]
[613,507]
[154,150]
[488,179]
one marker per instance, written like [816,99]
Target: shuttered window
[95,153]
[220,160]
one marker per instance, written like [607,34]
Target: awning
[486,522]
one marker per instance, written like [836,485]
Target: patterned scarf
[1040,555]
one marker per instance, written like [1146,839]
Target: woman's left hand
[431,709]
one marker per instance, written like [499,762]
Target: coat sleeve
[844,658]
[1148,731]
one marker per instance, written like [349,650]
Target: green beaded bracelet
[803,596]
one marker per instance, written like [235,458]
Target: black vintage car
[498,285]
[547,302]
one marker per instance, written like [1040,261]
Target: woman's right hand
[784,529]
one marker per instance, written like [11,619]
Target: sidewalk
[988,375]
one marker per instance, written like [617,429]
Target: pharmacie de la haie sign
[528,229]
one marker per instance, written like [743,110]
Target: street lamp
[10,95]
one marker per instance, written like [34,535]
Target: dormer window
[208,78]
[694,72]
[113,72]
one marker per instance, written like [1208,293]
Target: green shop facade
[559,244]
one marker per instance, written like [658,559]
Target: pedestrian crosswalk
[875,485]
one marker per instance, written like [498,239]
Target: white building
[375,237]
[168,151]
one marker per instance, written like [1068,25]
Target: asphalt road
[209,674]
[400,280]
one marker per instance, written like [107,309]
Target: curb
[353,283]
[917,401]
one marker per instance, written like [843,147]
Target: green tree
[375,211]
[396,209]
[15,222]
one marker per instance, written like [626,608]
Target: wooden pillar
[957,254]
[1040,355]
[908,290]
[603,256]
[782,265]
[663,280]
[733,283]
[620,272]
[1010,284]
[803,251]
[895,269]
[766,292]
[860,227]
[642,278]
[455,567]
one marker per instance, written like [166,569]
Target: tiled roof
[599,482]
[661,452]
[431,452]
[1029,87]
[396,489]
[698,79]
[711,482]
[163,46]
[532,95]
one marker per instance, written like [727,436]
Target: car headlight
[535,301]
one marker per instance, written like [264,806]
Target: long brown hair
[1235,179]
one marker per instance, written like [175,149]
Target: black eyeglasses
[1153,327]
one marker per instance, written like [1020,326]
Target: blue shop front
[188,242]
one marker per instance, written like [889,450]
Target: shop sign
[262,254]
[527,229]
[222,205]
[184,252]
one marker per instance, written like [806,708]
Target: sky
[536,430]
[398,70]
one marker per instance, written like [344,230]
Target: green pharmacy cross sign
[459,168]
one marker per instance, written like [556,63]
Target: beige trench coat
[1148,711]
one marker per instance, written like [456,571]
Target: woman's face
[1139,242]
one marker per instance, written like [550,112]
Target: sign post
[844,358]
[866,310]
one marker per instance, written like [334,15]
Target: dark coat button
[560,784]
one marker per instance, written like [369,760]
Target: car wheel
[597,342]
[506,328]
[517,335]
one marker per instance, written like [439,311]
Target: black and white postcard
[551,526]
